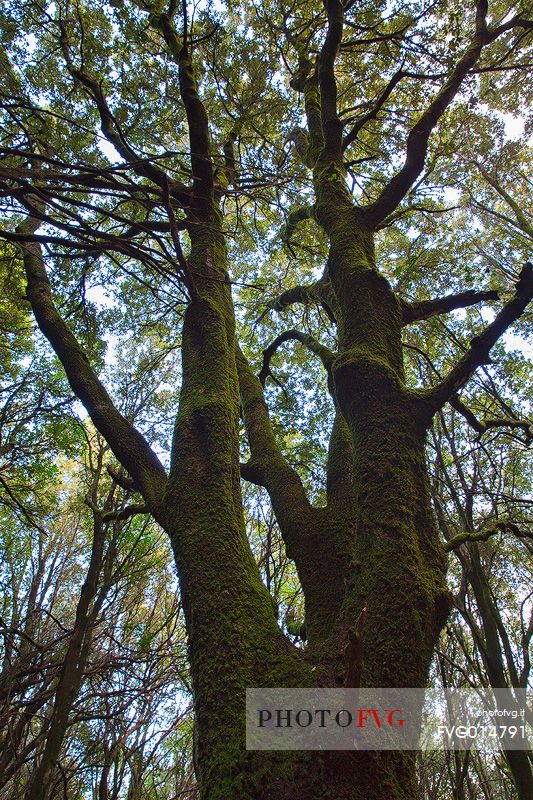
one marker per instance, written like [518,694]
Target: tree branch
[418,138]
[372,114]
[484,535]
[521,220]
[122,480]
[302,144]
[267,466]
[312,344]
[412,208]
[490,424]
[481,345]
[294,217]
[201,163]
[331,123]
[125,513]
[129,446]
[227,175]
[412,312]
[112,131]
[306,294]
[261,439]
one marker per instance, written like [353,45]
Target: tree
[79,712]
[197,127]
[492,649]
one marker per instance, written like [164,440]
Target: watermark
[388,719]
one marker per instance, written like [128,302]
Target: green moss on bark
[401,564]
[234,639]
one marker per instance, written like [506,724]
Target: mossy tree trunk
[370,563]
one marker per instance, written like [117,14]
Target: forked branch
[482,427]
[312,344]
[480,347]
[267,465]
[418,138]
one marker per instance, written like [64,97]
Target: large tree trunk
[389,561]
[399,565]
[234,640]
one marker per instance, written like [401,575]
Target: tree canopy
[265,299]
